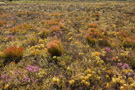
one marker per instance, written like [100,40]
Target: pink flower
[25,79]
[108,49]
[125,66]
[9,36]
[119,64]
[31,68]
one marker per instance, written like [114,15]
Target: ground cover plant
[67,46]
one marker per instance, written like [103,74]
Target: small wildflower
[6,86]
[86,83]
[107,85]
[34,32]
[25,79]
[89,75]
[97,53]
[41,41]
[31,68]
[121,88]
[82,81]
[125,66]
[82,78]
[119,64]
[71,82]
[69,33]
[70,38]
[81,53]
[12,63]
[56,80]
[76,42]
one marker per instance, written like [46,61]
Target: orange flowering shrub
[2,23]
[27,13]
[20,28]
[94,35]
[55,48]
[55,29]
[96,15]
[13,54]
[129,41]
[43,33]
[53,22]
[94,25]
[90,40]
[123,34]
[91,35]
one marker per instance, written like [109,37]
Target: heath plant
[129,42]
[43,33]
[55,48]
[2,23]
[13,54]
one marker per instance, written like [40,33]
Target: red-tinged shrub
[94,35]
[13,54]
[13,30]
[26,26]
[20,28]
[94,25]
[2,23]
[103,42]
[91,40]
[55,48]
[55,29]
[129,41]
[52,22]
[43,33]
[123,34]
[96,15]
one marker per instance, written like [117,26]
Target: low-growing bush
[94,25]
[20,28]
[129,42]
[32,40]
[91,40]
[94,35]
[2,23]
[13,54]
[55,48]
[55,29]
[44,33]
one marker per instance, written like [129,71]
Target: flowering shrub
[94,25]
[108,56]
[43,33]
[2,23]
[20,28]
[13,54]
[94,35]
[96,15]
[55,29]
[129,41]
[32,40]
[31,68]
[55,48]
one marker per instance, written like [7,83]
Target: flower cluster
[31,68]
